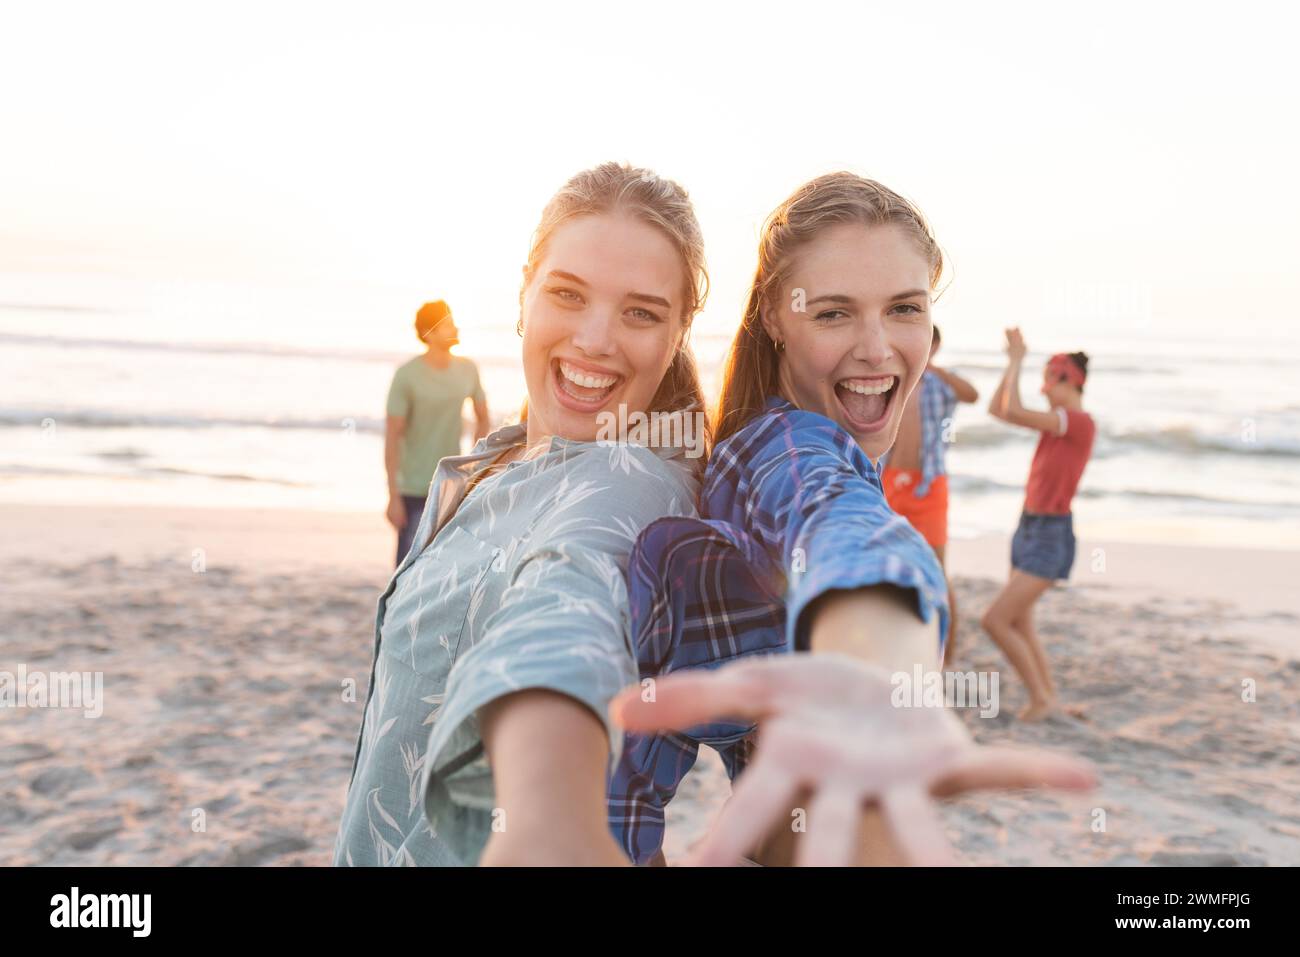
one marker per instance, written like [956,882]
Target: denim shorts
[1044,545]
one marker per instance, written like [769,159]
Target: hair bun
[1081,360]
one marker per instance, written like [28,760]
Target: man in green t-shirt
[424,424]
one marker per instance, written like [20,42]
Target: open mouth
[867,402]
[581,389]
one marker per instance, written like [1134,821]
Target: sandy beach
[228,641]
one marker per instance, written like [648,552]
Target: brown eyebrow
[909,295]
[639,296]
[842,299]
[561,274]
[653,300]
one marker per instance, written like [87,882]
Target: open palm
[827,726]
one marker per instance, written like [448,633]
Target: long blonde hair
[658,202]
[750,373]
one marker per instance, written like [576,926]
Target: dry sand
[226,737]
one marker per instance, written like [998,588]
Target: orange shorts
[928,515]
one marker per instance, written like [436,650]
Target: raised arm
[962,388]
[1006,404]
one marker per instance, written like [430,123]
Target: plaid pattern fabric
[938,404]
[791,508]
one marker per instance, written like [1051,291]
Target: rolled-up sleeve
[814,501]
[562,623]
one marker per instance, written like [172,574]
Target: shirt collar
[517,434]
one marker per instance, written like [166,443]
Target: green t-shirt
[430,400]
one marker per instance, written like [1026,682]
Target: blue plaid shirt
[938,403]
[791,508]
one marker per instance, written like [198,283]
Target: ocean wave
[975,485]
[99,419]
[269,350]
[1186,440]
[18,470]
[1179,439]
[54,307]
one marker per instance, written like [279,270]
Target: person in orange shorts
[913,473]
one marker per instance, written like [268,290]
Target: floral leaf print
[436,701]
[384,815]
[413,629]
[622,456]
[475,604]
[447,586]
[485,494]
[412,762]
[386,850]
[529,575]
[385,727]
[383,680]
[578,495]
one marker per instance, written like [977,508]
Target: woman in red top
[1042,549]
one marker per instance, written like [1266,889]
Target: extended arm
[548,753]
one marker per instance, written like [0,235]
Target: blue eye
[645,314]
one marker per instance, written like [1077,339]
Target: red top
[1058,464]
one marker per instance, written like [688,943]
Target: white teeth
[586,379]
[876,387]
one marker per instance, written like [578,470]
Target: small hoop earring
[519,327]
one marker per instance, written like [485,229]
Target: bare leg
[1020,592]
[950,649]
[1025,625]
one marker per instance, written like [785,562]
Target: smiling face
[602,319]
[859,347]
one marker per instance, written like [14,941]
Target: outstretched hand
[827,725]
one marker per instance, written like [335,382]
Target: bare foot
[1037,710]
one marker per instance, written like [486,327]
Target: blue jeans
[414,509]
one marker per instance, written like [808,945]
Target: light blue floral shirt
[522,586]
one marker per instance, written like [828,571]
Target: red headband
[1062,365]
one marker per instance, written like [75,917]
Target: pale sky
[1089,150]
